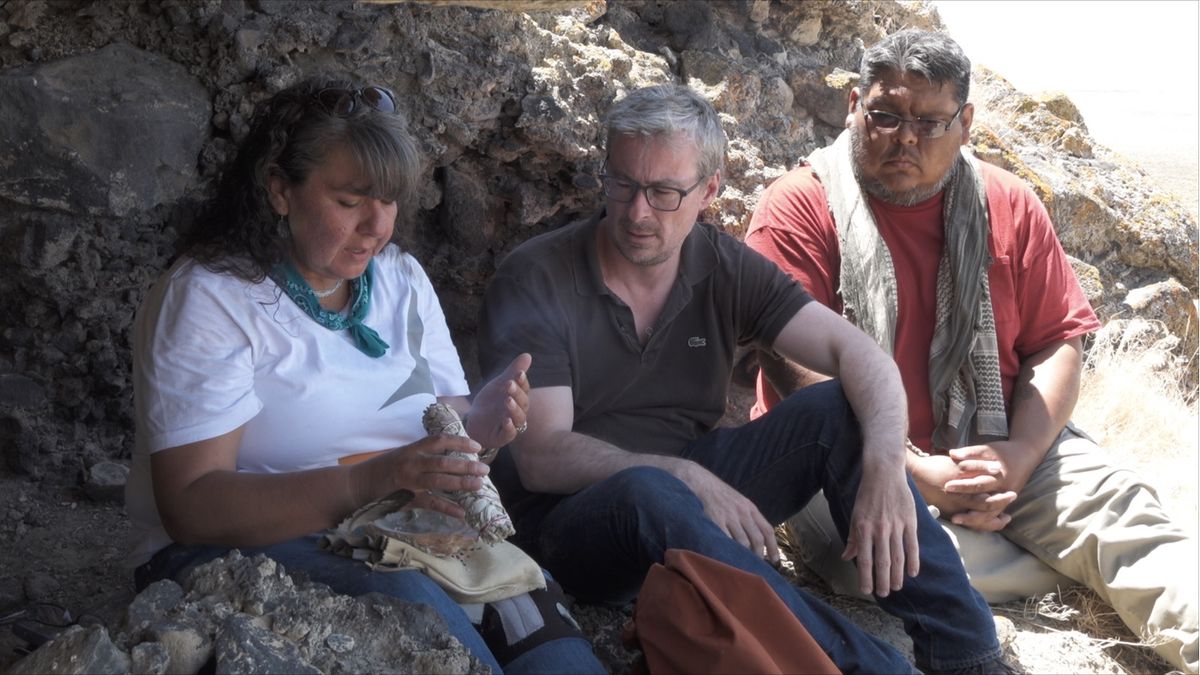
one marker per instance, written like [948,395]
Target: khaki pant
[1082,519]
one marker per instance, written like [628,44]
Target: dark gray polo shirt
[549,299]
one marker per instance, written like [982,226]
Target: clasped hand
[972,485]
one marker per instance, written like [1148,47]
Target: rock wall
[115,116]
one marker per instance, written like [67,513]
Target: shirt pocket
[1002,285]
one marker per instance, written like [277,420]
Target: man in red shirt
[952,265]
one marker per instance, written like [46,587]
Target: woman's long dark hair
[237,231]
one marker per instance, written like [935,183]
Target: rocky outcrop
[81,651]
[1106,211]
[246,615]
[116,117]
[1134,248]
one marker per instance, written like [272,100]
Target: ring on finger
[522,427]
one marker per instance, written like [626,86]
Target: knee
[1122,498]
[408,585]
[639,483]
[824,405]
[529,628]
[649,492]
[826,400]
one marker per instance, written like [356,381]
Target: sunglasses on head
[345,102]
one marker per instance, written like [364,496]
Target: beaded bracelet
[914,449]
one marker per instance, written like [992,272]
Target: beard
[877,189]
[640,257]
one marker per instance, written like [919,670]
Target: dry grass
[1078,617]
[1138,400]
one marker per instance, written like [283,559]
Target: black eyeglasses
[344,102]
[887,123]
[659,197]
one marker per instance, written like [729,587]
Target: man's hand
[994,467]
[883,527]
[736,515]
[970,503]
[883,533]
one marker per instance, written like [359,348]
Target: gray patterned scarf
[964,365]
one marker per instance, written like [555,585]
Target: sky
[1131,67]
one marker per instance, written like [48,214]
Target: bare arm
[883,529]
[785,376]
[1046,390]
[1044,397]
[550,457]
[980,509]
[976,483]
[203,499]
[823,341]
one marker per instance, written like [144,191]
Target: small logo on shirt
[697,342]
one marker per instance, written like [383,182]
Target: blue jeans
[351,577]
[600,542]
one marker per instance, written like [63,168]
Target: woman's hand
[203,499]
[497,414]
[421,467]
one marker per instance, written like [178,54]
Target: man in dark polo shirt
[632,317]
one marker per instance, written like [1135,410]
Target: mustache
[640,227]
[858,146]
[901,153]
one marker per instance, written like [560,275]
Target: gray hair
[932,55]
[666,109]
[238,231]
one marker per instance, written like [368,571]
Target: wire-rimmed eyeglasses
[888,123]
[659,197]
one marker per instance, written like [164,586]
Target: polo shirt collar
[697,262]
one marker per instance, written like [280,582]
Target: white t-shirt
[213,352]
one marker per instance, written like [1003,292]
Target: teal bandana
[366,339]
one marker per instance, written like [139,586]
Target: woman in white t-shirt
[292,339]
